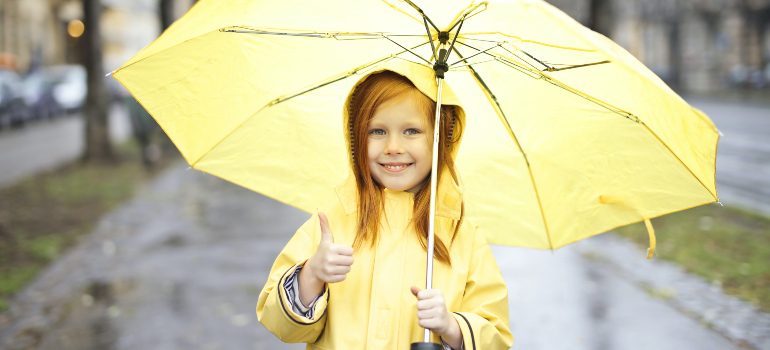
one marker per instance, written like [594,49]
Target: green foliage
[727,246]
[13,279]
[45,248]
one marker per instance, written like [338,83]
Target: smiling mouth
[396,167]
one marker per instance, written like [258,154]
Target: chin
[396,186]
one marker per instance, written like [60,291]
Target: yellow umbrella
[567,134]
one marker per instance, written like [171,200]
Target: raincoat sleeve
[483,315]
[274,310]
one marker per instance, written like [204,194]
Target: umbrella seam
[628,68]
[559,84]
[500,114]
[399,10]
[161,51]
[325,82]
[156,119]
[532,41]
[631,223]
[680,161]
[593,99]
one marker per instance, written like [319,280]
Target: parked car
[13,109]
[39,95]
[70,86]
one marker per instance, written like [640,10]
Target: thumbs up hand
[331,261]
[330,264]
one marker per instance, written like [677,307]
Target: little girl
[349,277]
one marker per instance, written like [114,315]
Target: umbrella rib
[578,66]
[423,15]
[483,40]
[501,115]
[314,87]
[477,62]
[559,84]
[466,15]
[412,52]
[716,199]
[625,114]
[551,68]
[495,56]
[415,62]
[513,53]
[340,76]
[475,54]
[430,38]
[325,35]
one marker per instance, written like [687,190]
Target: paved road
[743,156]
[181,266]
[42,146]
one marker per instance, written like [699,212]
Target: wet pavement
[182,264]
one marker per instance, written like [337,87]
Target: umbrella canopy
[567,134]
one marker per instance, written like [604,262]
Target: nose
[393,145]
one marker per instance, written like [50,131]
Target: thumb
[415,290]
[326,232]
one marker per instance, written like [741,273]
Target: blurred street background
[109,241]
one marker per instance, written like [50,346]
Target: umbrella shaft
[433,185]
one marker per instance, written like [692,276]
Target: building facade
[693,45]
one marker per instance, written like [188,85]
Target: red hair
[377,89]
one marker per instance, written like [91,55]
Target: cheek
[373,149]
[422,151]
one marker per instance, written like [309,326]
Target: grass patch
[41,216]
[727,246]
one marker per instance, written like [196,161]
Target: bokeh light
[76,28]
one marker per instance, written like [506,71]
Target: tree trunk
[600,21]
[98,147]
[675,54]
[166,13]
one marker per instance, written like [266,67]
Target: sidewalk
[182,264]
[46,145]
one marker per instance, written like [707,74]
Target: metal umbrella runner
[567,134]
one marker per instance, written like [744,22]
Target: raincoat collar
[448,203]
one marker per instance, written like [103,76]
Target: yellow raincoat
[373,307]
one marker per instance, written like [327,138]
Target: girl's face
[399,145]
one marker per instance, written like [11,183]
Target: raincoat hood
[424,78]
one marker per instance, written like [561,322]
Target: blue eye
[412,132]
[377,132]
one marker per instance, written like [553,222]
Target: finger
[415,290]
[341,249]
[343,260]
[431,303]
[430,323]
[336,278]
[425,304]
[326,231]
[426,314]
[339,270]
[429,293]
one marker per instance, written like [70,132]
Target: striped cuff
[447,347]
[291,288]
